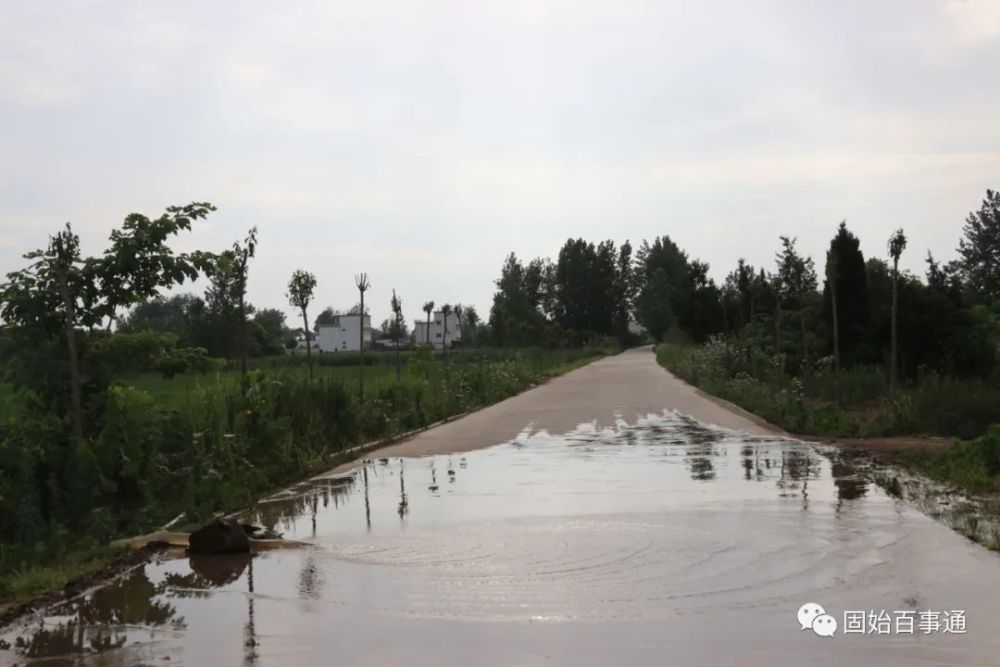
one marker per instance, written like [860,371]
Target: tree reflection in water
[700,451]
[850,485]
[279,515]
[132,608]
[102,620]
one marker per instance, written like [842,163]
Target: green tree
[654,304]
[445,312]
[979,250]
[776,287]
[516,317]
[301,289]
[744,282]
[170,315]
[675,292]
[327,318]
[624,290]
[471,318]
[738,296]
[218,321]
[363,285]
[585,287]
[61,290]
[897,244]
[662,285]
[845,297]
[269,332]
[604,288]
[797,276]
[832,277]
[398,331]
[240,257]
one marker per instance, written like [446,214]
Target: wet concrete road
[650,539]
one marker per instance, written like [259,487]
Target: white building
[437,330]
[344,335]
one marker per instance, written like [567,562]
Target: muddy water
[663,542]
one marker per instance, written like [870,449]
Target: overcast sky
[423,141]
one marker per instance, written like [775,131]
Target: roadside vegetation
[853,403]
[121,408]
[204,443]
[972,465]
[871,351]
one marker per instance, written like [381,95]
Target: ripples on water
[661,517]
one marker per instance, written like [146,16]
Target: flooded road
[652,539]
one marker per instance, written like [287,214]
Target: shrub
[854,402]
[175,361]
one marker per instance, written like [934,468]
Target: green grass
[25,583]
[172,390]
[380,369]
[972,465]
[852,403]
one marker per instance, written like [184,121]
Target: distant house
[344,334]
[437,330]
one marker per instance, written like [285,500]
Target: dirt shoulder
[115,567]
[886,445]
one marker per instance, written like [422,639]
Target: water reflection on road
[550,545]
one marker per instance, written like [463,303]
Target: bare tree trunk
[399,330]
[309,361]
[74,360]
[361,340]
[893,370]
[429,329]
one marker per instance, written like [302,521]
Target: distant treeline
[947,319]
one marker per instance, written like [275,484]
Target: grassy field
[379,371]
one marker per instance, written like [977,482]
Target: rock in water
[222,536]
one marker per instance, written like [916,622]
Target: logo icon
[813,617]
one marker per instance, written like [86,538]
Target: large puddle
[627,545]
